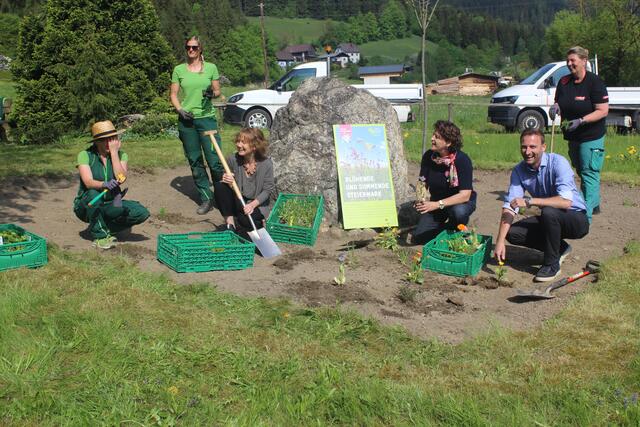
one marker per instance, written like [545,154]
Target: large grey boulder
[302,144]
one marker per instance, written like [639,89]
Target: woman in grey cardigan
[253,172]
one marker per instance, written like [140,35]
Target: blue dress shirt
[553,178]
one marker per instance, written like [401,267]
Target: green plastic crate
[437,257]
[296,235]
[197,252]
[24,254]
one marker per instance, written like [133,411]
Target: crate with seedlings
[457,253]
[296,218]
[198,252]
[20,248]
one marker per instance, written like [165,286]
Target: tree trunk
[424,92]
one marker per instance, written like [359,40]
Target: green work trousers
[195,144]
[587,158]
[105,219]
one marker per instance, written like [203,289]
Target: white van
[257,108]
[526,105]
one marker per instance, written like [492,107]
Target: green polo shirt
[192,84]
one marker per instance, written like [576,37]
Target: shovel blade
[264,243]
[535,294]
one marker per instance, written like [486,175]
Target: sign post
[364,173]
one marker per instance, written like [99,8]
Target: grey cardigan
[265,183]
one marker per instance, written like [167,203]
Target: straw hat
[105,129]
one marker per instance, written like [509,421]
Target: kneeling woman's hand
[249,207]
[227,178]
[424,206]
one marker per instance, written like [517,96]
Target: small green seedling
[388,239]
[407,294]
[341,278]
[501,271]
[162,214]
[415,274]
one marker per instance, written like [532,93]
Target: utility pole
[264,47]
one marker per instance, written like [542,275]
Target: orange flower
[417,257]
[462,227]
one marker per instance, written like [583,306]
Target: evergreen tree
[240,57]
[8,34]
[393,22]
[85,60]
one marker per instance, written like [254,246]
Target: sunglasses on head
[191,47]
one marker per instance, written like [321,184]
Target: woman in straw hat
[198,82]
[102,168]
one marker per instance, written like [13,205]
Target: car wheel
[257,118]
[530,119]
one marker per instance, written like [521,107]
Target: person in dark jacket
[447,174]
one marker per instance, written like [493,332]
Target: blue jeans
[432,223]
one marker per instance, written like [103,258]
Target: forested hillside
[515,29]
[537,13]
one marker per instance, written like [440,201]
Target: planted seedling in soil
[299,211]
[388,239]
[501,271]
[415,274]
[341,278]
[406,294]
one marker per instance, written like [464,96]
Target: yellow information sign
[364,173]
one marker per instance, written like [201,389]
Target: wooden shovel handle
[235,187]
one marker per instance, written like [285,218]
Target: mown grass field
[490,147]
[292,30]
[90,339]
[59,158]
[487,144]
[395,50]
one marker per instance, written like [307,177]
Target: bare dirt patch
[443,307]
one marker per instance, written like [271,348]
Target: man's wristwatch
[441,204]
[527,201]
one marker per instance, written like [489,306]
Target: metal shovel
[590,268]
[261,237]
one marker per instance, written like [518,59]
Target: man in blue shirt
[548,178]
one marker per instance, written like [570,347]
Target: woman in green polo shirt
[197,83]
[102,168]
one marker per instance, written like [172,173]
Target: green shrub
[155,124]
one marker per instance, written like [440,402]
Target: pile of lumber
[464,85]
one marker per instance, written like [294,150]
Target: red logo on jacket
[580,98]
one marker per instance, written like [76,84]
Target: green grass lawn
[490,147]
[59,158]
[292,30]
[89,338]
[394,50]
